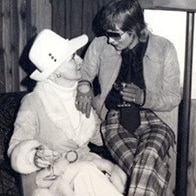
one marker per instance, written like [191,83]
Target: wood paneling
[9,47]
[21,20]
[2,63]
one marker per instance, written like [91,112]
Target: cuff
[22,157]
[144,98]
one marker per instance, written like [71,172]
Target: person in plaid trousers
[139,76]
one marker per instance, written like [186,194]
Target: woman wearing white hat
[50,139]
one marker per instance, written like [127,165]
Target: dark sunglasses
[114,35]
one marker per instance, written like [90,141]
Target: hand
[118,178]
[132,93]
[116,175]
[84,98]
[112,117]
[44,157]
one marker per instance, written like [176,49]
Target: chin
[117,48]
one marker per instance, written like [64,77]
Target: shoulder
[99,41]
[101,44]
[158,46]
[158,40]
[31,100]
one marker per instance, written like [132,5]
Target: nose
[111,40]
[78,60]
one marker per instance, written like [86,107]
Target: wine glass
[52,158]
[52,175]
[119,87]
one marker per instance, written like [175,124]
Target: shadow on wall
[27,66]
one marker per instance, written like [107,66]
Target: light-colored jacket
[160,69]
[48,117]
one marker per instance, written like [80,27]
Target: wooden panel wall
[21,20]
[8,49]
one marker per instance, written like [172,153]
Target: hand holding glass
[46,158]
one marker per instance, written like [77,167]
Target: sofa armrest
[10,181]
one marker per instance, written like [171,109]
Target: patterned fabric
[9,180]
[141,155]
[9,104]
[131,71]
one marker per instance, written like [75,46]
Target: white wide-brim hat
[50,50]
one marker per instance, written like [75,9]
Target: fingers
[129,96]
[41,163]
[43,158]
[84,107]
[131,88]
[40,160]
[131,93]
[83,104]
[88,110]
[132,85]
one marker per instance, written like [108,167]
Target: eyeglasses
[114,35]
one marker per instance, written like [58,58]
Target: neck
[63,82]
[134,43]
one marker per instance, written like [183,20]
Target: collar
[153,48]
[60,91]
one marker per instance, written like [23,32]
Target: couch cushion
[9,104]
[9,181]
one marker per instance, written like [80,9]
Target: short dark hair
[126,14]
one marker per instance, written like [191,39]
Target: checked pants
[143,154]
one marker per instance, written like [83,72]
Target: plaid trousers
[143,154]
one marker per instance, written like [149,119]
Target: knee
[86,167]
[42,192]
[81,167]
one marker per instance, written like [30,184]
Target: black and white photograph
[97,98]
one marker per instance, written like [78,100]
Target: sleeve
[169,96]
[22,145]
[22,156]
[97,138]
[91,62]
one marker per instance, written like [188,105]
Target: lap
[80,178]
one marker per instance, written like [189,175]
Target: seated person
[51,137]
[139,78]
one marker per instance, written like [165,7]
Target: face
[70,69]
[122,40]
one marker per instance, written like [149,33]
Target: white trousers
[80,179]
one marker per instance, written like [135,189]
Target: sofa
[10,181]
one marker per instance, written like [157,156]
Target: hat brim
[77,43]
[73,45]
